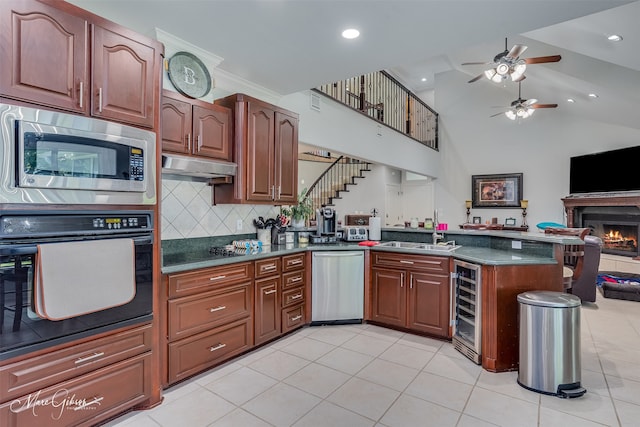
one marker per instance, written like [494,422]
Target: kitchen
[203,194]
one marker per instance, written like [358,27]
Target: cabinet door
[260,157]
[44,55]
[212,132]
[388,299]
[176,125]
[286,158]
[267,309]
[428,304]
[123,78]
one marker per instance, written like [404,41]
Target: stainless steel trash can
[550,343]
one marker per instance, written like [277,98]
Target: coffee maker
[326,221]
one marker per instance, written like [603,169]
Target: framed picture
[510,221]
[496,191]
[477,220]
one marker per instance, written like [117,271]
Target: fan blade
[529,102]
[543,106]
[497,114]
[516,51]
[476,78]
[476,63]
[543,59]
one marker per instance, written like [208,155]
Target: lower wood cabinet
[107,392]
[198,352]
[411,291]
[267,310]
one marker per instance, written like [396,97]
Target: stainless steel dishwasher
[337,287]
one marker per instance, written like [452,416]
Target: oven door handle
[18,250]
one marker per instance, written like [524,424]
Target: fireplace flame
[614,239]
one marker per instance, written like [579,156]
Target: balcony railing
[384,99]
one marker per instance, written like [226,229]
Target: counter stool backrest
[573,254]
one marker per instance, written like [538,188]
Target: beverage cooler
[466,309]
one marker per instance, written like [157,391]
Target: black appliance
[22,330]
[326,221]
[605,172]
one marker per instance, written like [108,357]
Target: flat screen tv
[615,170]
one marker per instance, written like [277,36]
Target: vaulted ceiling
[292,45]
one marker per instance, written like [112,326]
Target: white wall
[472,143]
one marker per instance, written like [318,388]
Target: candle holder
[468,206]
[524,204]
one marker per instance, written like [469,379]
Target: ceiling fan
[523,108]
[508,64]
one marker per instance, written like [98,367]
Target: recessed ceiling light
[571,100]
[424,79]
[350,33]
[614,38]
[593,95]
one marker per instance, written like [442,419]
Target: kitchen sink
[420,246]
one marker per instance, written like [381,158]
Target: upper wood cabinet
[195,127]
[60,56]
[266,151]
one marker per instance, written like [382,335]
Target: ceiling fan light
[510,114]
[490,73]
[502,69]
[518,71]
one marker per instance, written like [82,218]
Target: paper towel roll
[374,228]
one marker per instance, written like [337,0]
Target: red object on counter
[368,243]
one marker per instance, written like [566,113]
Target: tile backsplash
[186,212]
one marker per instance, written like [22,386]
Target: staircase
[343,173]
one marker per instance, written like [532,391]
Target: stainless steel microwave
[52,157]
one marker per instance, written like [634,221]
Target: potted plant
[300,211]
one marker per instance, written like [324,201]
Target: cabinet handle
[402,280]
[188,142]
[81,95]
[295,280]
[272,291]
[406,262]
[411,281]
[87,358]
[269,267]
[298,317]
[296,297]
[100,100]
[217,278]
[295,262]
[273,192]
[221,307]
[199,141]
[218,347]
[89,403]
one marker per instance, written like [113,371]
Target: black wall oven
[49,296]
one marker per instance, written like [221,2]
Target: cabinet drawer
[194,354]
[295,278]
[190,282]
[293,262]
[36,373]
[204,311]
[292,318]
[84,400]
[411,262]
[267,267]
[292,296]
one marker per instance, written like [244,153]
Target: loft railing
[384,99]
[335,179]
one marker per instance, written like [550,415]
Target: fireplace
[615,219]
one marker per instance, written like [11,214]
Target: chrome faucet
[436,236]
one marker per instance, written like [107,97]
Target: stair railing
[342,173]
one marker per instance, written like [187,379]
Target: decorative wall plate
[189,75]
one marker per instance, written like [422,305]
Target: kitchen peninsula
[511,263]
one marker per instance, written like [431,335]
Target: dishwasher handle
[337,254]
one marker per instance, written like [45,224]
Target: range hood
[195,168]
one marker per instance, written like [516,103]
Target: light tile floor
[364,375]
